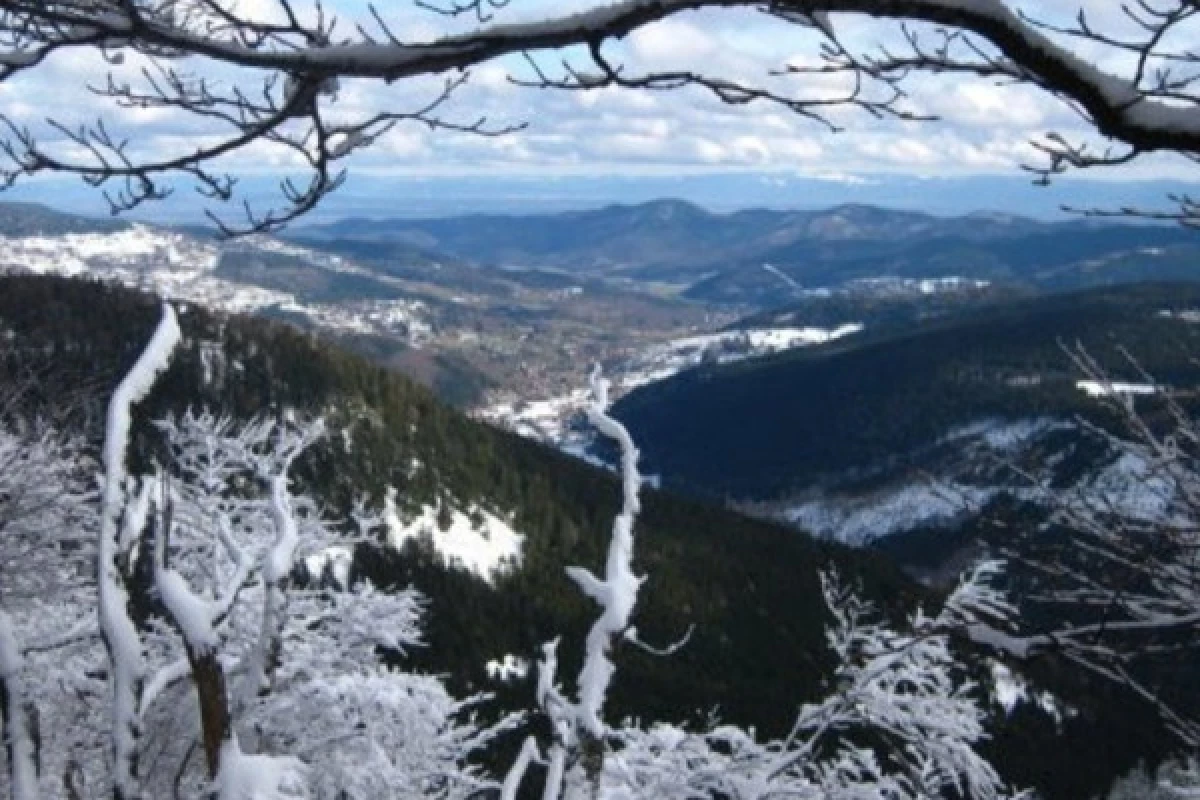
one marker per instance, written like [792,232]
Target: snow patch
[259,777]
[661,361]
[508,668]
[1011,690]
[1006,436]
[863,519]
[475,540]
[183,268]
[1109,388]
[334,562]
[1189,315]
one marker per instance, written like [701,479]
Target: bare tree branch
[288,72]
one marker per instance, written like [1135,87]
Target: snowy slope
[476,539]
[185,268]
[1121,483]
[662,361]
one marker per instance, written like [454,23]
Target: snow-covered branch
[902,723]
[15,722]
[579,730]
[121,638]
[284,77]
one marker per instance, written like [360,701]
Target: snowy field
[476,540]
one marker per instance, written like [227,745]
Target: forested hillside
[760,429]
[747,590]
[720,572]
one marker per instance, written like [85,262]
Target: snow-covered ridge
[1190,315]
[136,248]
[888,284]
[860,520]
[895,286]
[1106,389]
[184,268]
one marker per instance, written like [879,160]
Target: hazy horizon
[407,196]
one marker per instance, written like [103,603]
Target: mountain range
[928,374]
[756,258]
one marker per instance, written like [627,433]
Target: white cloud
[984,128]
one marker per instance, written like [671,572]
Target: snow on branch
[249,777]
[578,726]
[120,634]
[284,77]
[902,723]
[616,594]
[15,729]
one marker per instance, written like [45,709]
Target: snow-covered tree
[269,73]
[308,680]
[222,670]
[901,724]
[47,625]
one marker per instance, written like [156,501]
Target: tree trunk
[215,721]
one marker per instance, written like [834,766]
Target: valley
[885,399]
[599,400]
[944,332]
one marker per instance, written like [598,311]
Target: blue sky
[583,149]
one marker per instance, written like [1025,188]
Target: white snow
[660,362]
[787,279]
[337,560]
[862,519]
[1129,487]
[182,267]
[547,421]
[120,634]
[192,613]
[21,751]
[475,540]
[616,592]
[1106,389]
[508,668]
[1011,690]
[259,777]
[1005,436]
[1190,315]
[893,285]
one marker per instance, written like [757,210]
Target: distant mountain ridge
[660,233]
[760,258]
[756,258]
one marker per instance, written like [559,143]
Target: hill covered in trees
[748,590]
[759,429]
[720,572]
